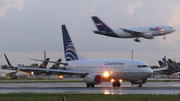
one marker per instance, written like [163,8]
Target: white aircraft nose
[148,72]
[172,30]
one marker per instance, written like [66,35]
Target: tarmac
[104,88]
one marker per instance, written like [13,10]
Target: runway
[105,88]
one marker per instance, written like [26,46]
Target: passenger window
[142,66]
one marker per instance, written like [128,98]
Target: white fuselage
[126,69]
[152,29]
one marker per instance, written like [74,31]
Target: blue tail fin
[7,60]
[101,26]
[165,62]
[69,49]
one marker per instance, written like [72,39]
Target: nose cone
[172,30]
[148,72]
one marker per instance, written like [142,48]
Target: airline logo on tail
[99,24]
[69,49]
[156,29]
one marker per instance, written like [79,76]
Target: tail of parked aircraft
[165,62]
[69,49]
[103,28]
[56,65]
[44,64]
[161,64]
[8,61]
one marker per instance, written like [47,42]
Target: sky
[30,27]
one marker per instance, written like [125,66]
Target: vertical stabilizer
[44,64]
[8,60]
[101,26]
[56,65]
[69,49]
[165,63]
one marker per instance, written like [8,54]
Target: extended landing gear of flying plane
[164,37]
[137,40]
[89,85]
[116,84]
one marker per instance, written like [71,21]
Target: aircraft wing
[159,69]
[13,72]
[164,68]
[54,71]
[133,32]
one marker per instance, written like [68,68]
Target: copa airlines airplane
[146,32]
[94,70]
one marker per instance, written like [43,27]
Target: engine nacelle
[2,75]
[142,81]
[93,78]
[148,36]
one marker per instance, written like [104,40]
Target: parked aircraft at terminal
[28,72]
[146,32]
[94,70]
[172,70]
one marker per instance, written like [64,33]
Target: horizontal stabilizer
[50,61]
[100,32]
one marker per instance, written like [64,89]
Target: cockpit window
[142,66]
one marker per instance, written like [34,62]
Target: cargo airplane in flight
[94,70]
[146,32]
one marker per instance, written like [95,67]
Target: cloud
[174,22]
[132,6]
[174,19]
[5,4]
[94,3]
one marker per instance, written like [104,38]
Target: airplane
[146,32]
[176,65]
[171,69]
[27,72]
[93,70]
[10,73]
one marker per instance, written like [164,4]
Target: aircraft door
[130,67]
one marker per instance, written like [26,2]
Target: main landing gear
[140,85]
[89,85]
[116,84]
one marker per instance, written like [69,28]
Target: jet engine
[142,81]
[148,36]
[93,78]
